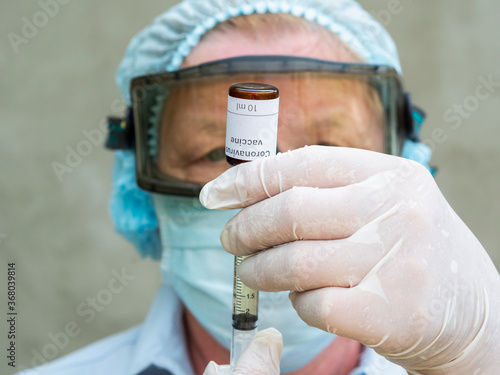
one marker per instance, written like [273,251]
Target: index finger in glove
[314,166]
[304,213]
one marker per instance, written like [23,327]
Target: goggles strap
[413,118]
[121,134]
[418,115]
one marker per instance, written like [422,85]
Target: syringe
[252,116]
[245,314]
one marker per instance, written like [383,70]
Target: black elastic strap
[121,132]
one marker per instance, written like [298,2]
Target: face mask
[201,272]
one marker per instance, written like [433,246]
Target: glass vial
[252,122]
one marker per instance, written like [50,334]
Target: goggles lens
[180,117]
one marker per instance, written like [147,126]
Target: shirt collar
[161,338]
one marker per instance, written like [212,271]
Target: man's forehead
[300,43]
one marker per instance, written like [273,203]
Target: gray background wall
[60,83]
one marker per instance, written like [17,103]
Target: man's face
[313,110]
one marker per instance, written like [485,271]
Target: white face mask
[201,273]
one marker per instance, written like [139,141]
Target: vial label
[252,128]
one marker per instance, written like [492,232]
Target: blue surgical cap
[164,44]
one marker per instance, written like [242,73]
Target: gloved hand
[371,250]
[261,357]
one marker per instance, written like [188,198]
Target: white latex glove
[371,250]
[261,357]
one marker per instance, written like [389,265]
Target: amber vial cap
[253,91]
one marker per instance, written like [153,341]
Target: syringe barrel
[245,313]
[245,302]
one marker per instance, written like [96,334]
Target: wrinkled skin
[370,250]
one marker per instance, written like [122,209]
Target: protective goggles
[177,122]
